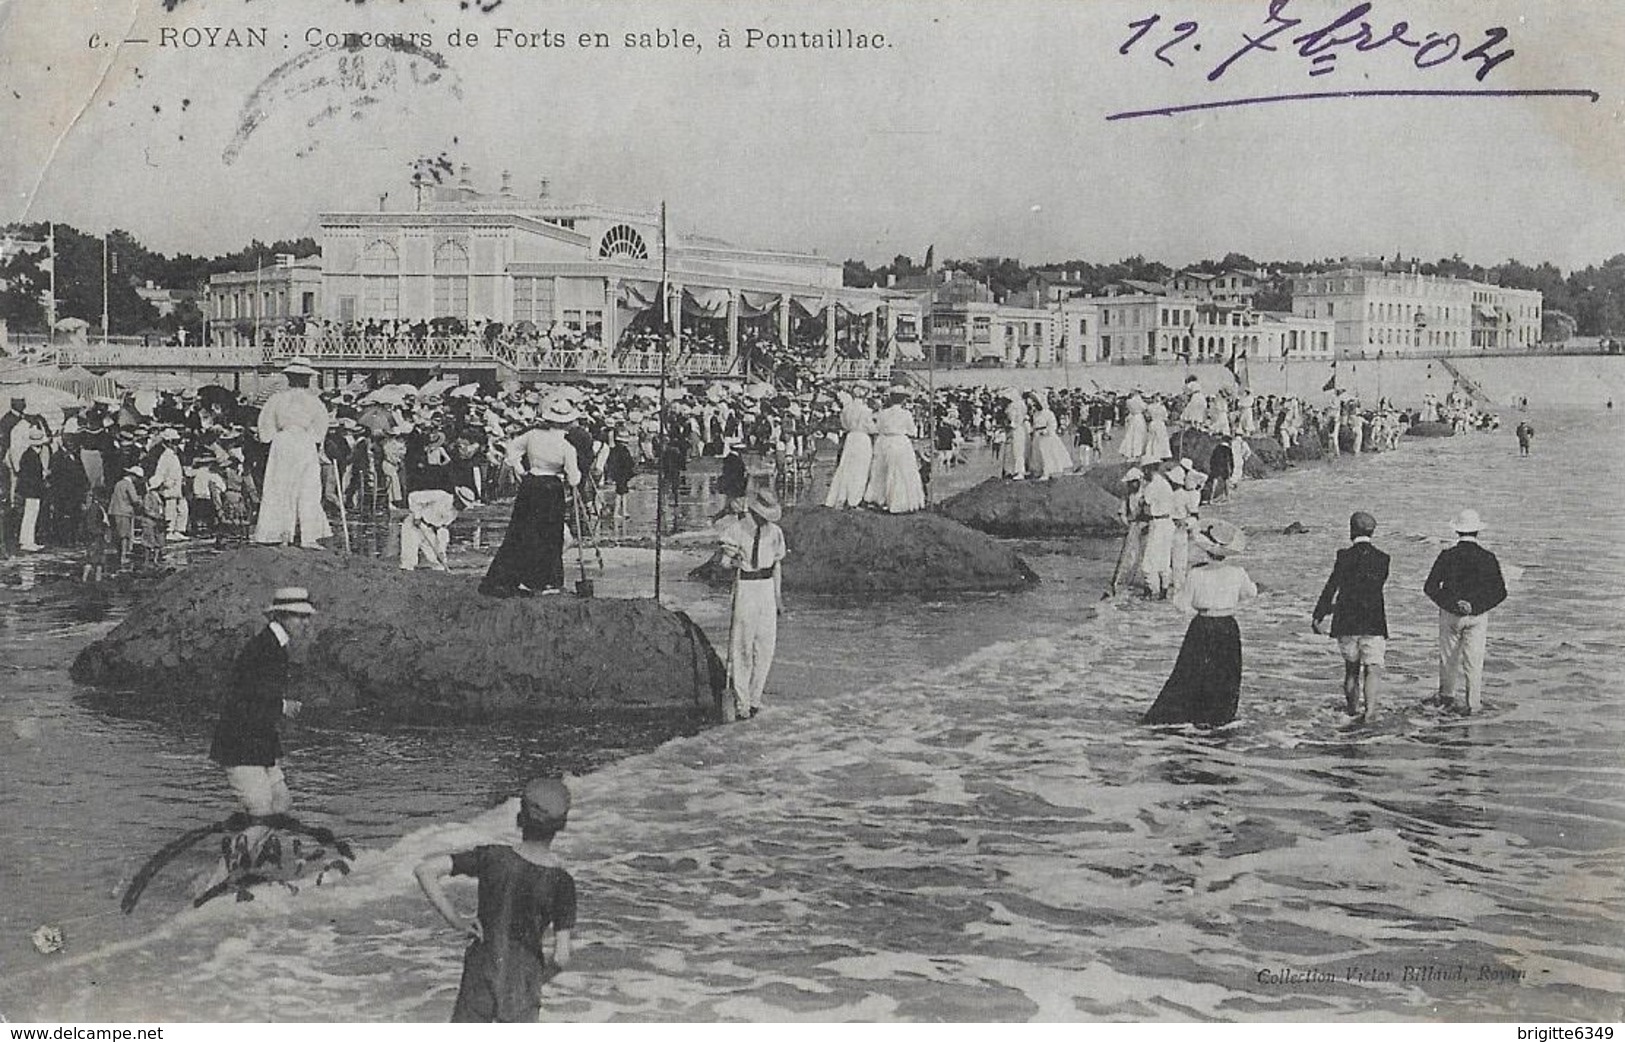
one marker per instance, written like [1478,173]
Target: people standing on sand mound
[894,474]
[1013,456]
[1046,453]
[851,477]
[1132,446]
[531,558]
[1205,685]
[1156,434]
[294,423]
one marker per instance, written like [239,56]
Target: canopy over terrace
[831,323]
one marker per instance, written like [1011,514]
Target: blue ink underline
[1174,110]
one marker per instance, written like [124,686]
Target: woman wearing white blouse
[1205,686]
[531,559]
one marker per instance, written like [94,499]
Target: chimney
[544,189]
[507,184]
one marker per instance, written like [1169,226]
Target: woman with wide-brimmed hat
[1205,686]
[531,559]
[894,472]
[294,423]
[851,477]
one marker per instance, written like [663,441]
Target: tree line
[25,278]
[1593,296]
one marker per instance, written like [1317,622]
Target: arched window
[450,280]
[623,240]
[380,281]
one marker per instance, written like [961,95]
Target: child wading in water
[523,890]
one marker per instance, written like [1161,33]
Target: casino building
[544,285]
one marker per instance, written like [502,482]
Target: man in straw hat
[294,423]
[1466,584]
[753,545]
[246,741]
[426,528]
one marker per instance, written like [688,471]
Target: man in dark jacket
[1466,584]
[246,741]
[1353,598]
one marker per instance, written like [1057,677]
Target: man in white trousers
[753,545]
[1466,584]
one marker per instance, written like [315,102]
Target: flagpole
[104,290]
[665,430]
[50,306]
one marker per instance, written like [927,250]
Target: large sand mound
[407,646]
[1071,505]
[863,551]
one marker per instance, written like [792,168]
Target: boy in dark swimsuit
[523,890]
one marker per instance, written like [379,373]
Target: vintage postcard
[734,510]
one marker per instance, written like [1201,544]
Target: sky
[980,128]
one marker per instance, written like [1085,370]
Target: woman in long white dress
[1133,444]
[894,476]
[1156,434]
[1047,456]
[294,423]
[851,477]
[1013,456]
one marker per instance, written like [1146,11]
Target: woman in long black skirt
[1205,686]
[531,558]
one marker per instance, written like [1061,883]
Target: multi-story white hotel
[1393,313]
[1205,319]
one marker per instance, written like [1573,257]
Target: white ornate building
[1381,314]
[593,273]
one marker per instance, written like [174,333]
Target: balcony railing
[117,356]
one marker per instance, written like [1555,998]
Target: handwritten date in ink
[1321,44]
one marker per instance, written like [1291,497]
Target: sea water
[948,809]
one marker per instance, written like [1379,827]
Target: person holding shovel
[531,558]
[426,529]
[753,545]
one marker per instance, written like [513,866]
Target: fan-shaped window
[623,241]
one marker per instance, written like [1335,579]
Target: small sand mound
[1071,505]
[406,646]
[863,551]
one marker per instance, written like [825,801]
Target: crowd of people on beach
[126,478]
[195,460]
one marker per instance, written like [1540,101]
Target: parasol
[438,386]
[389,394]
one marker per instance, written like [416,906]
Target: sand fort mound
[1069,505]
[863,551]
[393,646]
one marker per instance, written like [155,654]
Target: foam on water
[997,838]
